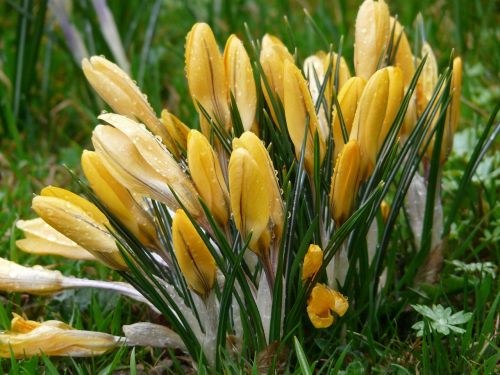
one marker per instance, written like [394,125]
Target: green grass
[48,111]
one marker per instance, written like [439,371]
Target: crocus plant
[262,221]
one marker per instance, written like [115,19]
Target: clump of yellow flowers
[237,227]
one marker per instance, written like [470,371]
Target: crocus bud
[118,199]
[273,55]
[375,114]
[348,100]
[206,77]
[177,131]
[140,163]
[403,58]
[80,221]
[312,262]
[300,112]
[250,142]
[453,112]
[240,79]
[371,36]
[345,182]
[34,280]
[314,71]
[343,69]
[42,239]
[322,302]
[118,90]
[207,176]
[250,198]
[194,258]
[28,338]
[385,209]
[428,79]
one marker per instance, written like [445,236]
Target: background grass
[48,112]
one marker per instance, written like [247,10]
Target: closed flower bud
[300,112]
[80,221]
[348,99]
[312,262]
[375,114]
[250,142]
[273,55]
[42,239]
[194,258]
[177,131]
[345,182]
[385,209]
[118,199]
[322,302]
[428,79]
[250,197]
[453,112]
[403,58]
[343,69]
[206,77]
[118,90]
[239,75]
[139,162]
[28,338]
[206,173]
[34,280]
[314,70]
[371,36]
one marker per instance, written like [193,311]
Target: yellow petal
[118,199]
[206,173]
[312,261]
[78,224]
[117,89]
[344,74]
[250,142]
[177,130]
[322,302]
[345,182]
[348,100]
[428,79]
[369,118]
[52,338]
[396,92]
[33,280]
[249,195]
[340,304]
[371,36]
[196,262]
[385,209]
[299,112]
[404,57]
[206,76]
[240,79]
[314,71]
[42,239]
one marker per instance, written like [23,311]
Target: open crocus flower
[42,239]
[28,338]
[322,302]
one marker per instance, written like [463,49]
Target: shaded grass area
[48,112]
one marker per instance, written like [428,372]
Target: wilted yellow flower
[80,221]
[345,182]
[250,142]
[33,280]
[118,199]
[177,130]
[206,173]
[239,74]
[300,112]
[371,36]
[196,262]
[28,338]
[322,302]
[207,77]
[428,79]
[117,89]
[312,261]
[375,114]
[273,55]
[348,99]
[42,239]
[140,163]
[250,197]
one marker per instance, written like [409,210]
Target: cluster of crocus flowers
[210,204]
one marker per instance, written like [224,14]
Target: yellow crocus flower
[299,112]
[177,130]
[322,302]
[371,37]
[194,258]
[80,221]
[206,173]
[428,79]
[345,182]
[206,77]
[312,261]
